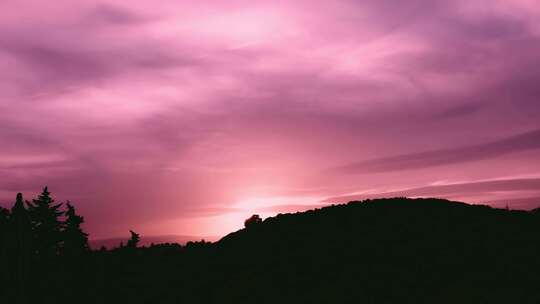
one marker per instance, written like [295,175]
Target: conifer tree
[134,240]
[20,241]
[46,224]
[20,226]
[18,210]
[4,217]
[75,239]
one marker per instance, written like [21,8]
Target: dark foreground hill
[392,251]
[379,251]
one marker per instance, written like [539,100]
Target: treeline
[45,257]
[38,239]
[41,229]
[395,250]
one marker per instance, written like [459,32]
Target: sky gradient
[185,117]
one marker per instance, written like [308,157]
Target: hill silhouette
[395,250]
[391,251]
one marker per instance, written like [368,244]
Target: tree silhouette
[134,240]
[75,240]
[20,241]
[253,221]
[20,226]
[4,217]
[46,224]
[18,210]
[4,234]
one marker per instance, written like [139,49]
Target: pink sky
[185,117]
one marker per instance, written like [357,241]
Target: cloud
[459,190]
[522,142]
[159,108]
[107,15]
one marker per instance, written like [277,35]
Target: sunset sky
[186,117]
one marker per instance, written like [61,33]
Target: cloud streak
[518,143]
[461,191]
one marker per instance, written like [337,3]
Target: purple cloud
[522,142]
[145,115]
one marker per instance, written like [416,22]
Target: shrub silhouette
[252,221]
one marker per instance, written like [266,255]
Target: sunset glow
[186,117]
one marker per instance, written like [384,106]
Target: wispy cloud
[244,95]
[518,143]
[475,190]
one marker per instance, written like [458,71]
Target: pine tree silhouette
[135,238]
[46,225]
[4,217]
[4,234]
[20,227]
[75,240]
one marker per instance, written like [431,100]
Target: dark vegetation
[375,251]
